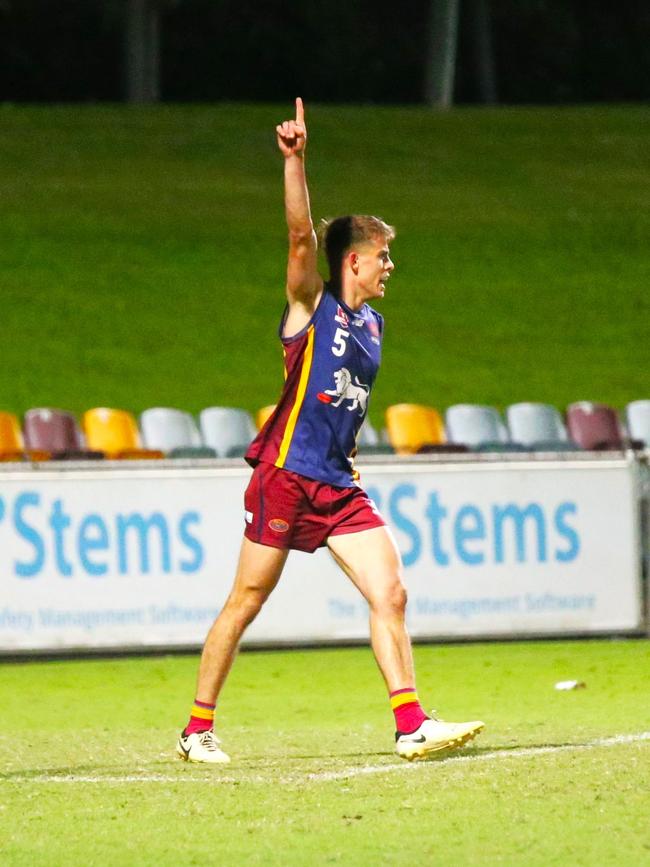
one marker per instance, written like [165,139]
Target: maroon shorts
[286,510]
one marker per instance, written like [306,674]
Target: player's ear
[353,259]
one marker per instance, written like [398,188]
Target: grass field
[143,251]
[89,777]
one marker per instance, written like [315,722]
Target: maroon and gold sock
[409,715]
[201,719]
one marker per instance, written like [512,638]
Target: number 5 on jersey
[339,342]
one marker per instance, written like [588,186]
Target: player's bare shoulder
[298,316]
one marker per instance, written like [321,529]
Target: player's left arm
[304,283]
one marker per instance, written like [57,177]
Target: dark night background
[545,51]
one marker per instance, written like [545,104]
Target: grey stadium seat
[637,415]
[473,425]
[166,429]
[227,430]
[368,436]
[369,442]
[554,446]
[193,452]
[533,423]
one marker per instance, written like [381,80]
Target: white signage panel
[145,557]
[115,558]
[517,548]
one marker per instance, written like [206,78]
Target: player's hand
[292,134]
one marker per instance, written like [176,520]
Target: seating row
[527,426]
[114,433]
[410,428]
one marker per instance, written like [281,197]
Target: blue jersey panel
[345,357]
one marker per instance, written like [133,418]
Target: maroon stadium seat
[11,441]
[594,426]
[56,431]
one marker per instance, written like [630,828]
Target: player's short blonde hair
[342,234]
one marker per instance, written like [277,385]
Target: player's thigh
[371,559]
[258,570]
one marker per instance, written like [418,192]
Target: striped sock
[409,715]
[202,717]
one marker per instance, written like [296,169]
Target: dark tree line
[362,51]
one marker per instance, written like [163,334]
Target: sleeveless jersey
[330,367]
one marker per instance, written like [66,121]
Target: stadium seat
[227,430]
[444,448]
[637,415]
[193,452]
[262,415]
[472,425]
[594,426]
[57,432]
[500,447]
[115,432]
[236,451]
[377,449]
[11,438]
[411,426]
[367,438]
[534,423]
[554,446]
[166,429]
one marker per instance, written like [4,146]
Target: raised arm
[304,284]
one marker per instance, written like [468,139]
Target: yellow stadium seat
[411,426]
[263,414]
[11,438]
[115,432]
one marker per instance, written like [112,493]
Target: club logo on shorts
[279,525]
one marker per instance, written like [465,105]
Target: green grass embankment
[142,251]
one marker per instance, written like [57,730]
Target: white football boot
[434,736]
[201,747]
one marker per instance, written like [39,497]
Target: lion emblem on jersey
[356,391]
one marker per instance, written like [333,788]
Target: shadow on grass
[313,757]
[322,763]
[73,770]
[466,751]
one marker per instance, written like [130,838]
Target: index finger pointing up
[300,111]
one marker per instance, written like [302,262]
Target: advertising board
[144,556]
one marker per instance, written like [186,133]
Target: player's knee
[399,597]
[253,604]
[391,601]
[247,604]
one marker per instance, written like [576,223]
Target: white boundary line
[522,752]
[327,776]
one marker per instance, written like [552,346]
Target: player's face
[374,267]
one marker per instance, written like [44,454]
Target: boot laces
[209,740]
